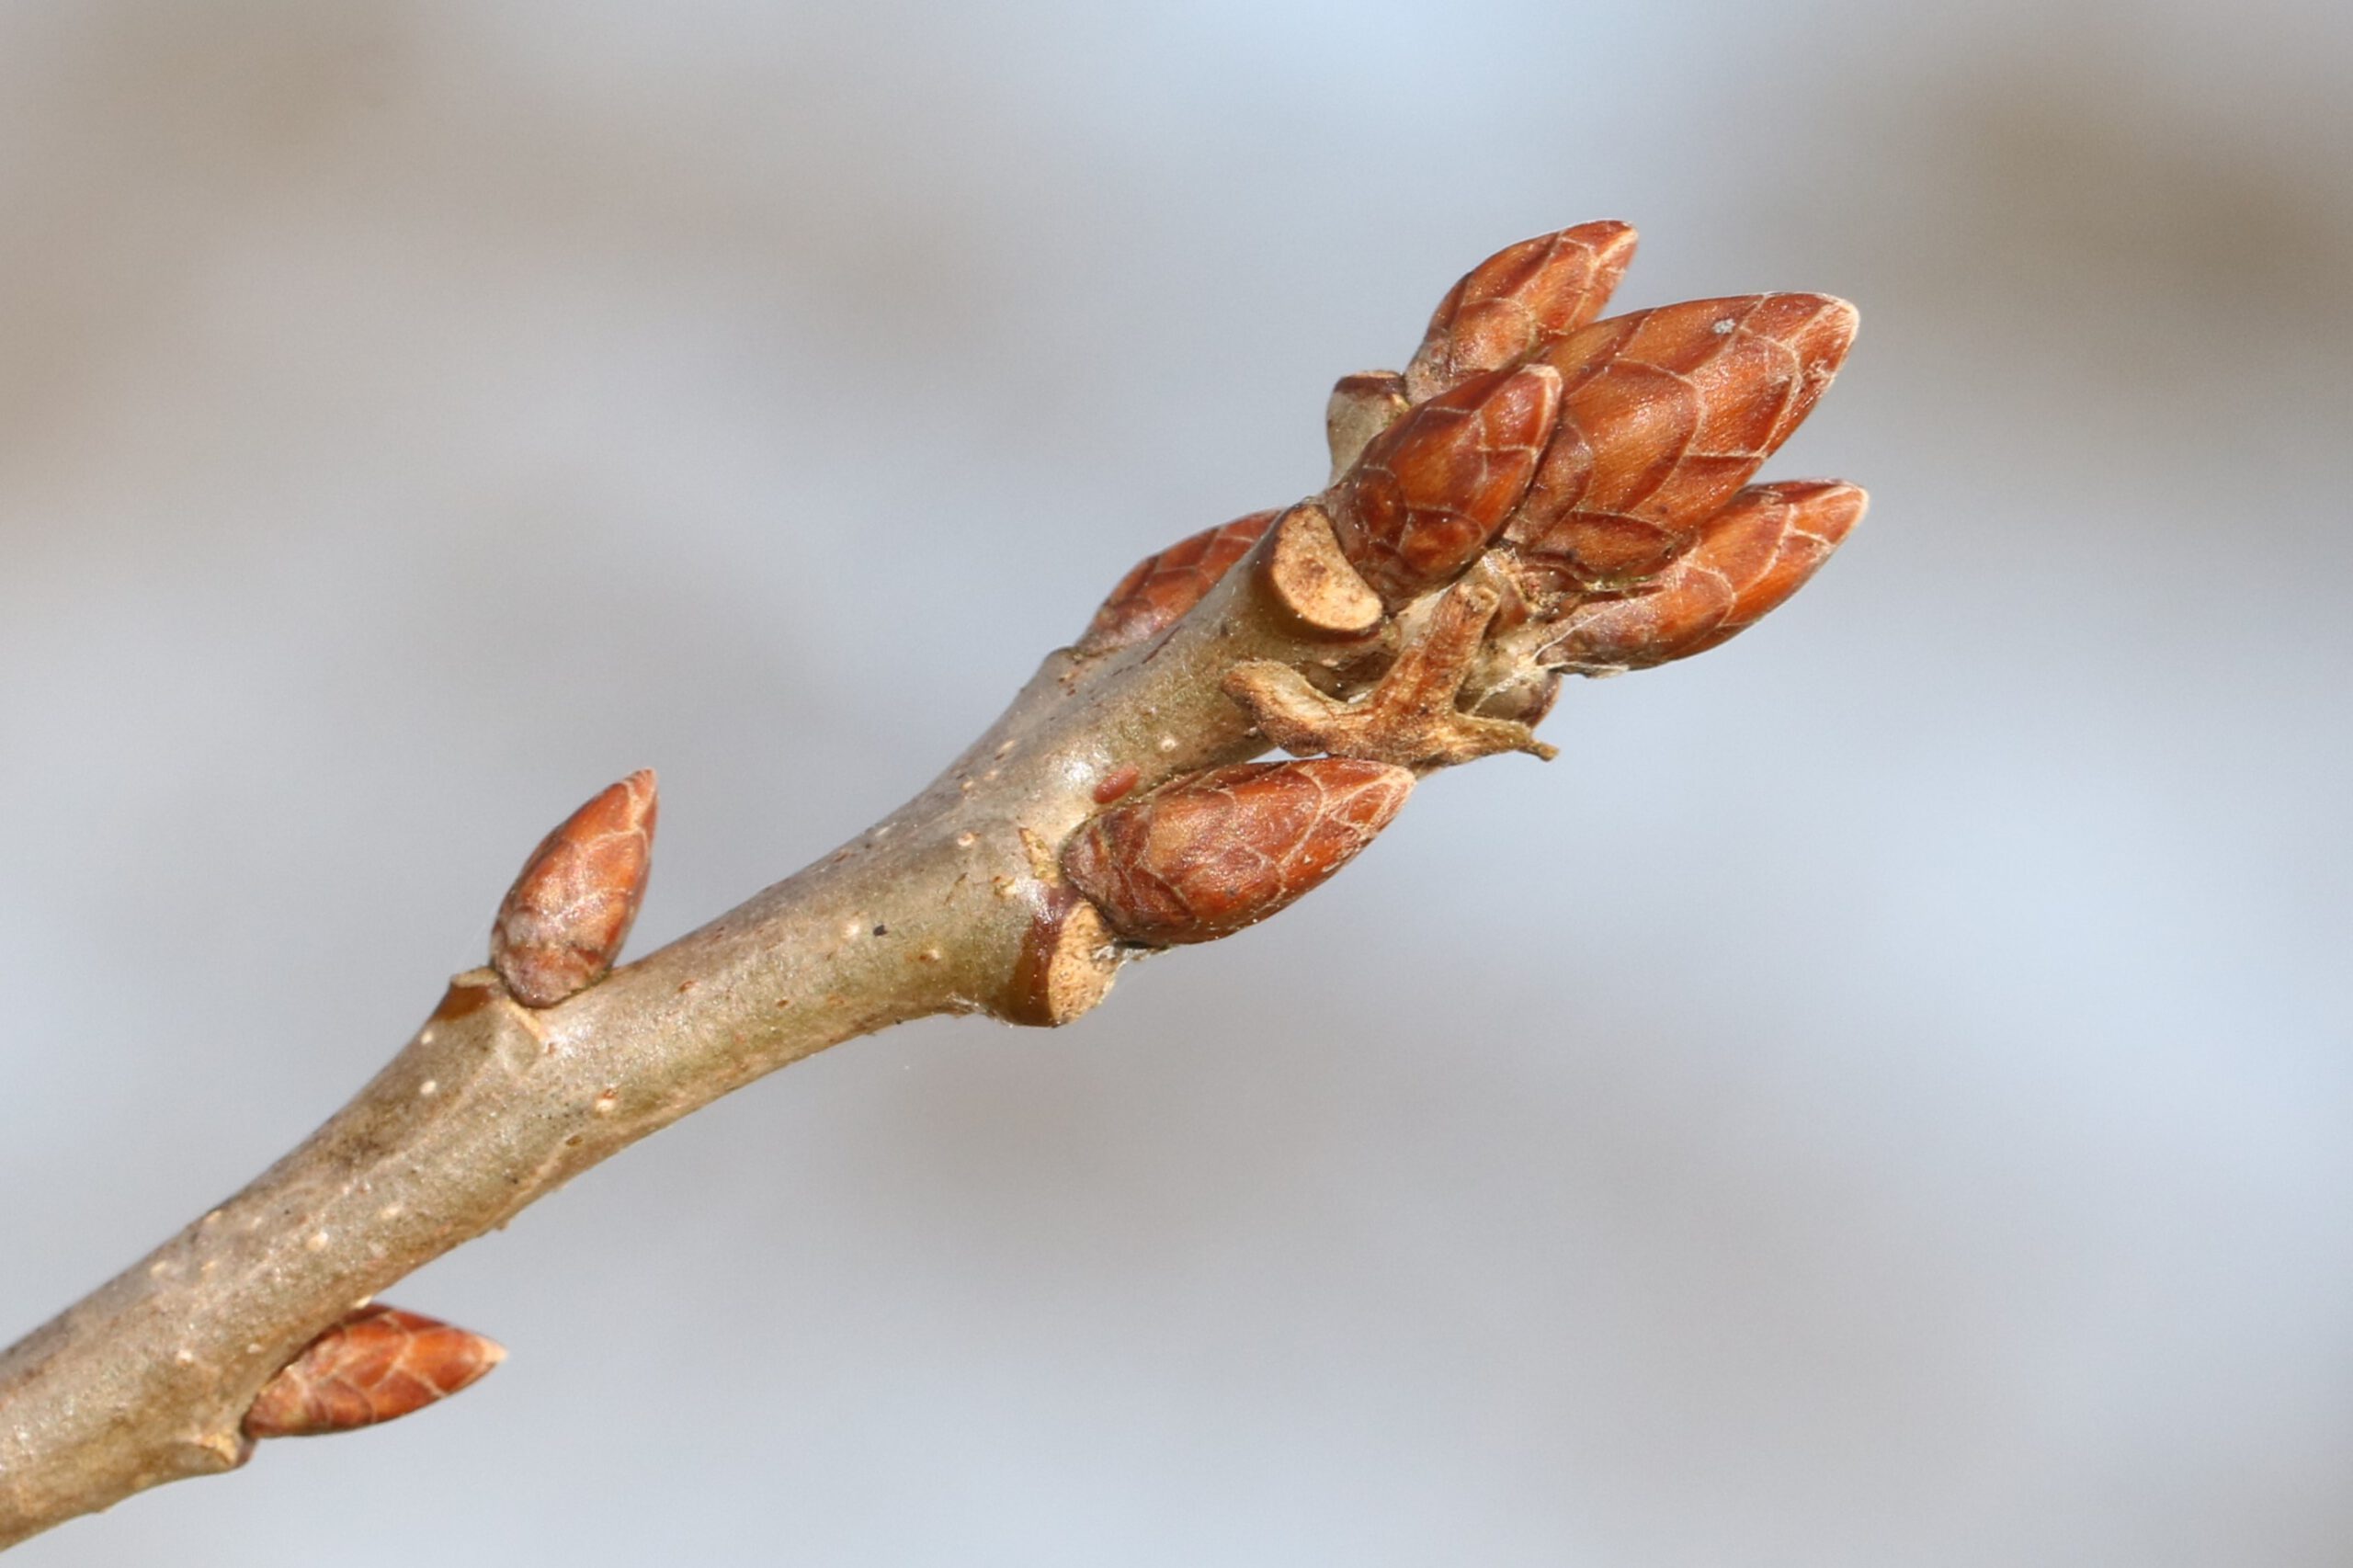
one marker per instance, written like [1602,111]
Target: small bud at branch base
[1160,588]
[378,1364]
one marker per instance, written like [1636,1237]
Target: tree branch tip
[1539,493]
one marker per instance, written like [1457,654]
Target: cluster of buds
[1658,419]
[1541,490]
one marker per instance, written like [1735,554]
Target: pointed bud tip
[634,801]
[1833,506]
[1610,238]
[1518,302]
[1825,329]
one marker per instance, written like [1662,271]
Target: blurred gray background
[1882,1097]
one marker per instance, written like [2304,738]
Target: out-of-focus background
[1884,1096]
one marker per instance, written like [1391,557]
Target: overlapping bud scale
[570,910]
[1205,856]
[378,1364]
[1664,415]
[1159,589]
[1429,493]
[1518,303]
[1606,464]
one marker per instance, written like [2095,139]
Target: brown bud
[570,907]
[1663,414]
[1519,303]
[1750,556]
[1429,493]
[1209,854]
[378,1364]
[1159,589]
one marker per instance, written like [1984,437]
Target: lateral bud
[1750,557]
[1519,303]
[1211,853]
[565,920]
[1431,492]
[1160,588]
[378,1364]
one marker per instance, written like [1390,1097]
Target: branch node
[1068,961]
[1311,579]
[1411,717]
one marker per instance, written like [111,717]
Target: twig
[1533,493]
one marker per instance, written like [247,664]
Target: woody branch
[1539,493]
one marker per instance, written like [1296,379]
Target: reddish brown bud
[1207,854]
[1159,589]
[1519,303]
[572,905]
[1663,414]
[378,1364]
[1431,492]
[1750,556]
